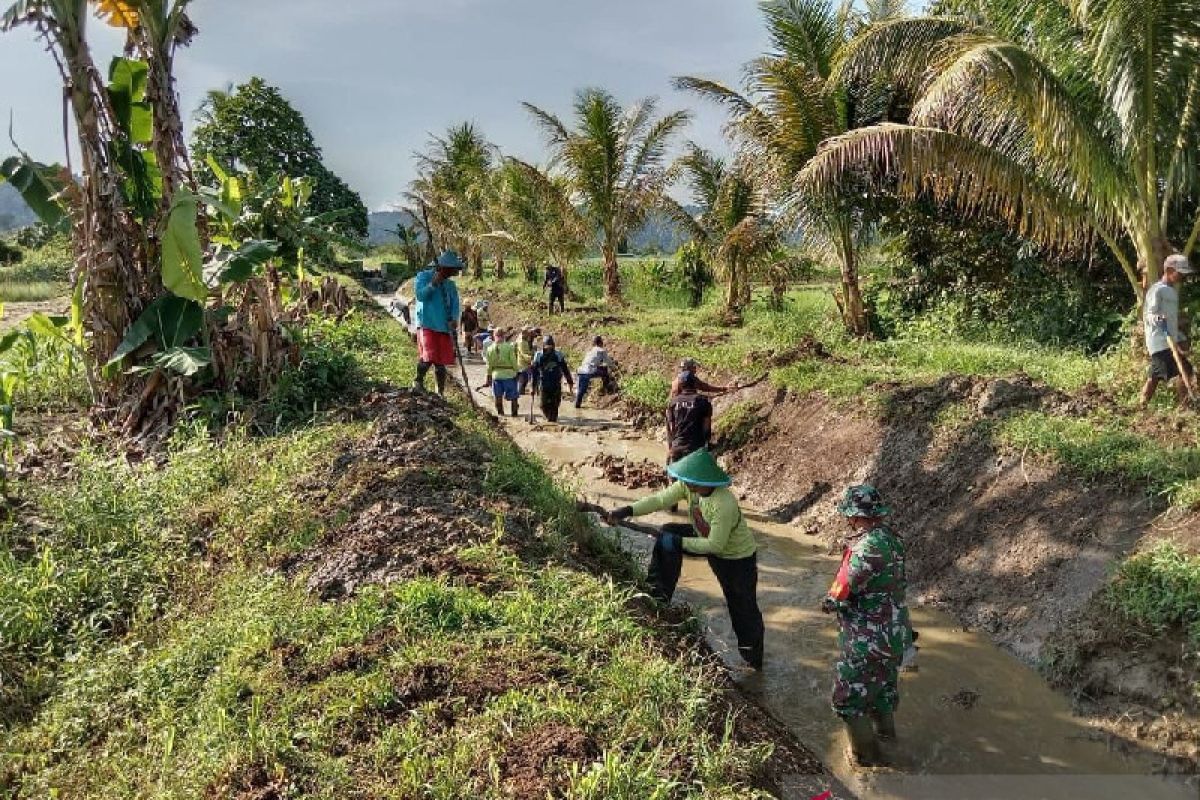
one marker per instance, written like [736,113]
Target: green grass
[1101,446]
[647,390]
[735,427]
[29,292]
[150,649]
[1160,589]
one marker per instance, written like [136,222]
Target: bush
[329,373]
[1160,589]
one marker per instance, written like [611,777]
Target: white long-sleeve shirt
[1161,317]
[596,357]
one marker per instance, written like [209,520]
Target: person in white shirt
[596,365]
[1160,314]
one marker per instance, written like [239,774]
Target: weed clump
[1160,589]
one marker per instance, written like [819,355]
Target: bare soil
[1013,547]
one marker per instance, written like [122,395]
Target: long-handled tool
[1183,373]
[457,351]
[591,508]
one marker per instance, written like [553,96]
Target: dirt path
[975,722]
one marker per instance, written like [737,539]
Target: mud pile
[410,494]
[630,474]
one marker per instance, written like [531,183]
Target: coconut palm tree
[533,216]
[790,106]
[1068,119]
[615,162]
[732,229]
[453,185]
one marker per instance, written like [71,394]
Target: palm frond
[555,131]
[951,169]
[990,88]
[805,32]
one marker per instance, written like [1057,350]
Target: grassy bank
[156,642]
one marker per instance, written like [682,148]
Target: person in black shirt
[689,419]
[549,371]
[557,285]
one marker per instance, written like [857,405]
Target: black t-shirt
[688,416]
[554,278]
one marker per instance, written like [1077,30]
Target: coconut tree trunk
[854,313]
[612,274]
[475,261]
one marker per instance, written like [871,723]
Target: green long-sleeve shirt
[720,526]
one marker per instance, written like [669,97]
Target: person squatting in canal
[501,359]
[874,630]
[437,312]
[549,371]
[718,531]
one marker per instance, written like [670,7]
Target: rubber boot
[422,371]
[516,408]
[885,726]
[439,375]
[864,747]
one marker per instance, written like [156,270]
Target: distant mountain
[13,211]
[381,226]
[659,234]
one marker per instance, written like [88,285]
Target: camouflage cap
[862,501]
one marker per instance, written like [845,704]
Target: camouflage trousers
[865,686]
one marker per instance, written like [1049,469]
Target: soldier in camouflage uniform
[874,628]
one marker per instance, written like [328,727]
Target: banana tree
[1067,119]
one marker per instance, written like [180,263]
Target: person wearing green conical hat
[874,631]
[717,530]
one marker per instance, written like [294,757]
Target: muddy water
[974,722]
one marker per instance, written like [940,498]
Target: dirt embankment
[412,496]
[1009,545]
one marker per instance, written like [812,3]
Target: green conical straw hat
[699,469]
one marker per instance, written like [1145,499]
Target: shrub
[1160,589]
[329,372]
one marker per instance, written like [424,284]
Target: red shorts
[435,347]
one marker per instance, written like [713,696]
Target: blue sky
[375,77]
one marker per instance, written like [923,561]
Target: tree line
[1072,124]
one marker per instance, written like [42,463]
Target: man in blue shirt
[1160,313]
[437,312]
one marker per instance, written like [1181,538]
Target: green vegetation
[647,391]
[735,427]
[1160,589]
[152,648]
[256,127]
[1106,446]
